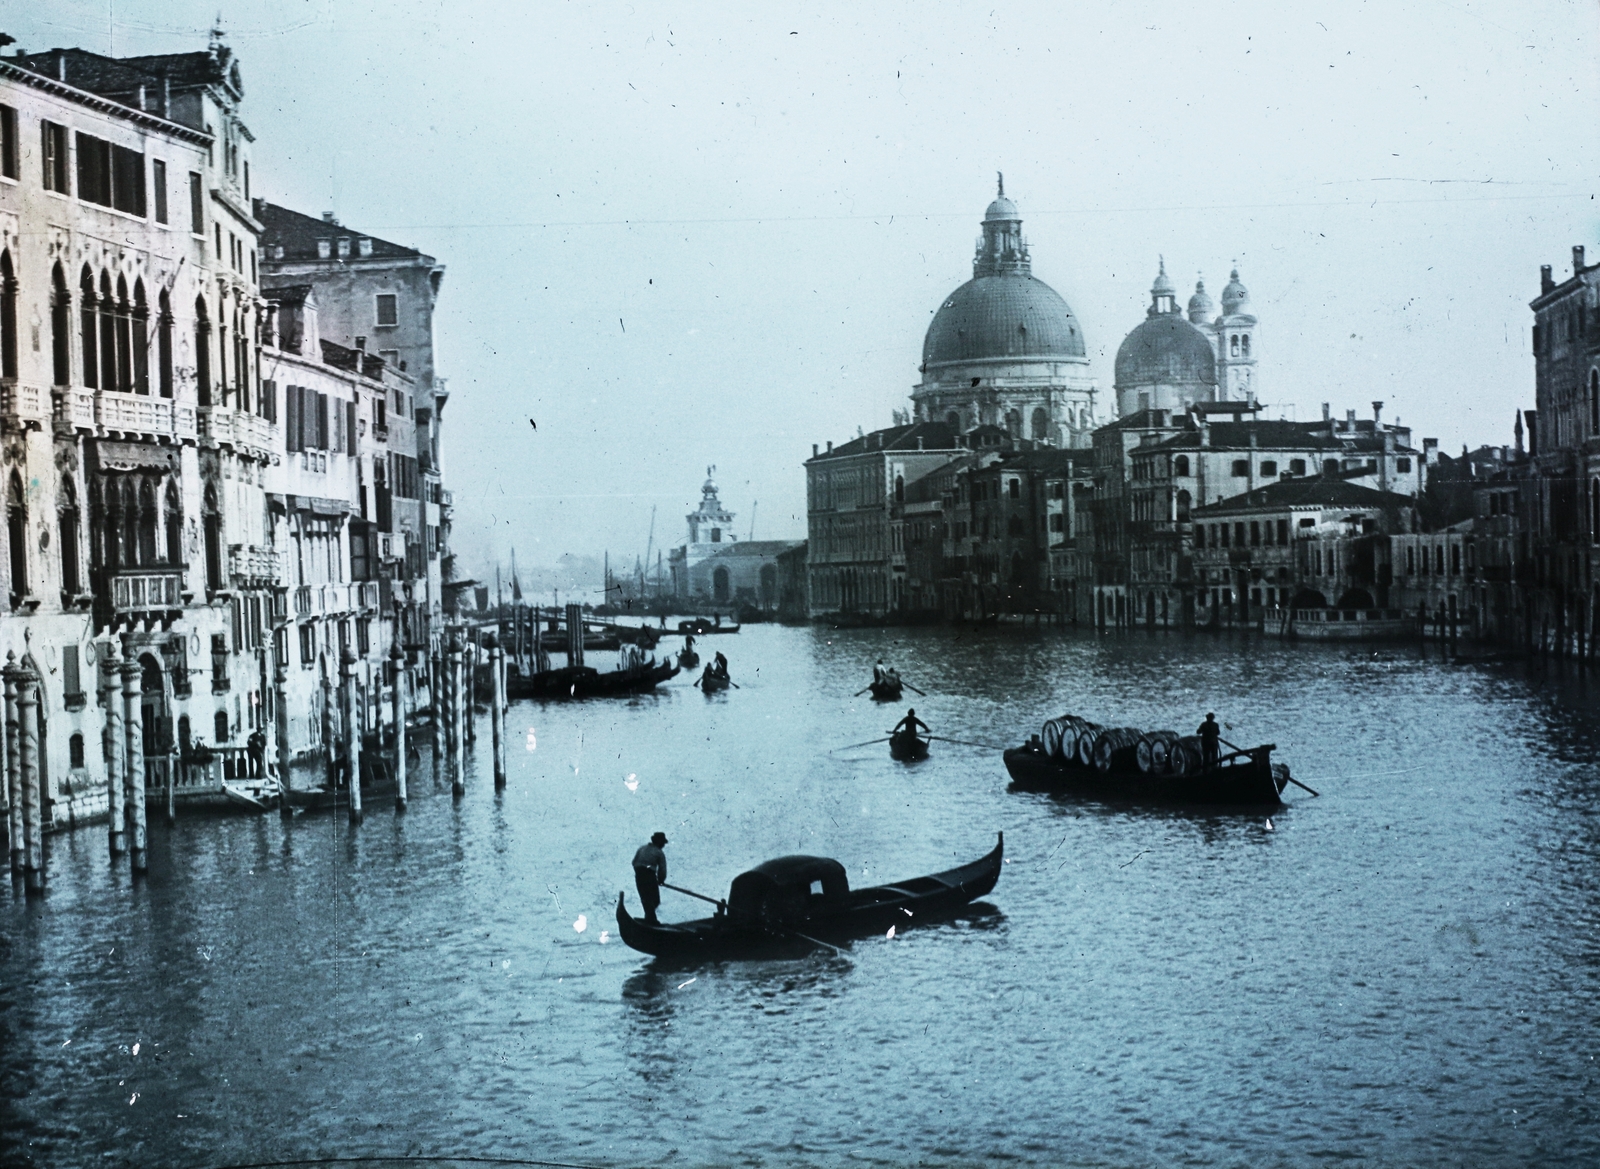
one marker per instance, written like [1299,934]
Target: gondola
[710,683]
[1245,779]
[688,659]
[587,682]
[798,903]
[700,626]
[907,747]
[887,690]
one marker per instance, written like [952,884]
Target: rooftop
[1319,491]
[929,436]
[298,235]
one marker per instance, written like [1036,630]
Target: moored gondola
[1168,770]
[587,682]
[798,903]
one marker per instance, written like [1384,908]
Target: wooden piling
[458,778]
[32,812]
[471,703]
[497,712]
[436,688]
[13,765]
[280,682]
[116,747]
[133,728]
[398,660]
[352,730]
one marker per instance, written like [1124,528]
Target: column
[352,730]
[133,729]
[28,751]
[116,787]
[497,711]
[398,660]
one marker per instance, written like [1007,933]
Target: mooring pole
[13,764]
[32,812]
[133,728]
[398,698]
[497,712]
[436,688]
[280,683]
[470,706]
[117,748]
[458,760]
[352,730]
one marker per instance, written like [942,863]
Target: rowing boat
[798,903]
[888,690]
[905,746]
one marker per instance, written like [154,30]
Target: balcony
[240,430]
[323,600]
[367,594]
[253,567]
[143,416]
[145,590]
[23,405]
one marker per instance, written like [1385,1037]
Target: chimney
[1350,421]
[1327,414]
[166,96]
[1517,430]
[61,65]
[813,450]
[361,344]
[143,108]
[1577,260]
[327,217]
[1546,281]
[919,442]
[830,446]
[1430,451]
[1377,411]
[1205,431]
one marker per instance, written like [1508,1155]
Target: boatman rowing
[649,873]
[909,724]
[1209,734]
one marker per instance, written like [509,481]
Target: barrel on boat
[1153,751]
[1185,757]
[1088,735]
[1051,737]
[1117,749]
[1072,729]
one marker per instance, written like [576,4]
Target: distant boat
[888,690]
[699,626]
[800,903]
[587,682]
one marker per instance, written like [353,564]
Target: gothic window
[149,515]
[91,330]
[8,317]
[71,577]
[140,329]
[174,525]
[122,323]
[16,537]
[97,527]
[128,529]
[213,535]
[164,344]
[60,327]
[202,352]
[241,363]
[108,335]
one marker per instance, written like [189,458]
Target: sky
[679,236]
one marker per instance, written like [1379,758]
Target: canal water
[1402,971]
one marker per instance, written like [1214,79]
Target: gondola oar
[1291,778]
[966,742]
[861,691]
[809,938]
[909,686]
[721,905]
[868,743]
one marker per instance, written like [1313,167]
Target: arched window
[123,326]
[899,488]
[1014,423]
[174,525]
[60,326]
[221,388]
[17,537]
[1184,502]
[8,317]
[953,420]
[1244,343]
[91,330]
[220,727]
[99,552]
[108,335]
[128,531]
[1233,346]
[213,536]
[164,344]
[202,352]
[1180,465]
[241,364]
[140,329]
[1041,424]
[75,751]
[149,515]
[71,577]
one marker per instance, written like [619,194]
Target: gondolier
[1209,734]
[720,667]
[910,724]
[649,871]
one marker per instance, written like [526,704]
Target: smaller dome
[1166,350]
[1162,286]
[1001,208]
[1235,296]
[1201,305]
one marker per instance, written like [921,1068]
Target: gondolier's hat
[658,839]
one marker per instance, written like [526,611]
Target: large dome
[1166,349]
[999,318]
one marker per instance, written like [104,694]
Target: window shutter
[322,422]
[69,670]
[350,428]
[291,417]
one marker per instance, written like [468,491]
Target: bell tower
[1235,332]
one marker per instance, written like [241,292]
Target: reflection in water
[1401,971]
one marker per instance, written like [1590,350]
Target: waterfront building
[135,440]
[1005,349]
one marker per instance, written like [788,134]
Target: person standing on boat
[649,873]
[1209,734]
[909,724]
[721,667]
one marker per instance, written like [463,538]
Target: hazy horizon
[716,237]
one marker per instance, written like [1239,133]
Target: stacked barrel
[1076,742]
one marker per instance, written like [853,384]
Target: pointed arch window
[71,571]
[174,524]
[17,537]
[241,363]
[60,327]
[90,331]
[108,335]
[98,553]
[213,535]
[164,344]
[202,352]
[128,530]
[8,317]
[149,518]
[125,340]
[140,331]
